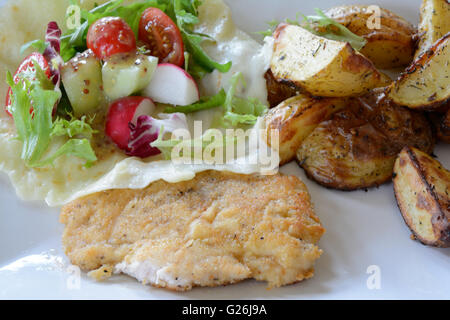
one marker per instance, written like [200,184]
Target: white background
[363,229]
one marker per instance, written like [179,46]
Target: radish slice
[172,85]
[145,108]
[121,113]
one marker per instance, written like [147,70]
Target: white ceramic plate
[365,231]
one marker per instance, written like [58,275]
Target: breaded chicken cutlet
[217,229]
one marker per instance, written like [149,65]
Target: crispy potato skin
[357,147]
[425,85]
[390,46]
[444,132]
[422,188]
[434,23]
[320,66]
[278,91]
[441,123]
[296,118]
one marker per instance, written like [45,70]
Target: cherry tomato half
[162,36]
[27,63]
[109,36]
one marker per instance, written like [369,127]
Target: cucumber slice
[82,80]
[126,74]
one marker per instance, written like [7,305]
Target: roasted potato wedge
[357,148]
[391,45]
[296,118]
[422,189]
[425,84]
[322,67]
[277,91]
[434,23]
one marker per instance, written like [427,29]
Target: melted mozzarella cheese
[245,53]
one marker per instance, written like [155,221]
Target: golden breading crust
[216,229]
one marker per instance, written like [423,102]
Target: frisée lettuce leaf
[194,147]
[241,111]
[32,104]
[72,128]
[322,26]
